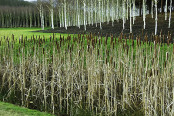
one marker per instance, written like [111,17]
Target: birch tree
[144,13]
[166,10]
[152,8]
[156,16]
[84,3]
[123,13]
[170,13]
[41,11]
[130,6]
[51,8]
[133,11]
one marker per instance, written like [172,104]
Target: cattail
[79,53]
[133,43]
[19,50]
[111,60]
[43,50]
[112,39]
[53,36]
[106,60]
[106,40]
[8,44]
[88,47]
[167,55]
[163,38]
[33,48]
[50,38]
[173,48]
[115,40]
[114,64]
[165,64]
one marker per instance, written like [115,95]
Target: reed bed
[103,76]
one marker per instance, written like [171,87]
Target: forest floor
[137,28]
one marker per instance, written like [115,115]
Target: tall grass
[103,76]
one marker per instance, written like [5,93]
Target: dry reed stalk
[74,74]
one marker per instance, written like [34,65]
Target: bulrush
[173,48]
[104,79]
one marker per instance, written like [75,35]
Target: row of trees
[25,17]
[89,12]
[82,12]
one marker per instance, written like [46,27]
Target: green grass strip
[7,109]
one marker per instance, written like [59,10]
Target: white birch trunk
[63,24]
[100,14]
[92,10]
[170,13]
[108,11]
[96,13]
[117,16]
[52,18]
[152,8]
[84,14]
[166,10]
[42,16]
[78,14]
[112,13]
[65,14]
[144,13]
[123,13]
[60,17]
[127,12]
[130,6]
[156,17]
[133,11]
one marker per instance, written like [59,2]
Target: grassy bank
[18,32]
[7,109]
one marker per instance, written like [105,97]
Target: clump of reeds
[103,75]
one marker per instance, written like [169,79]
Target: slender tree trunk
[52,13]
[166,8]
[144,13]
[156,17]
[42,16]
[123,12]
[130,5]
[100,14]
[170,13]
[133,11]
[162,8]
[152,8]
[65,14]
[140,8]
